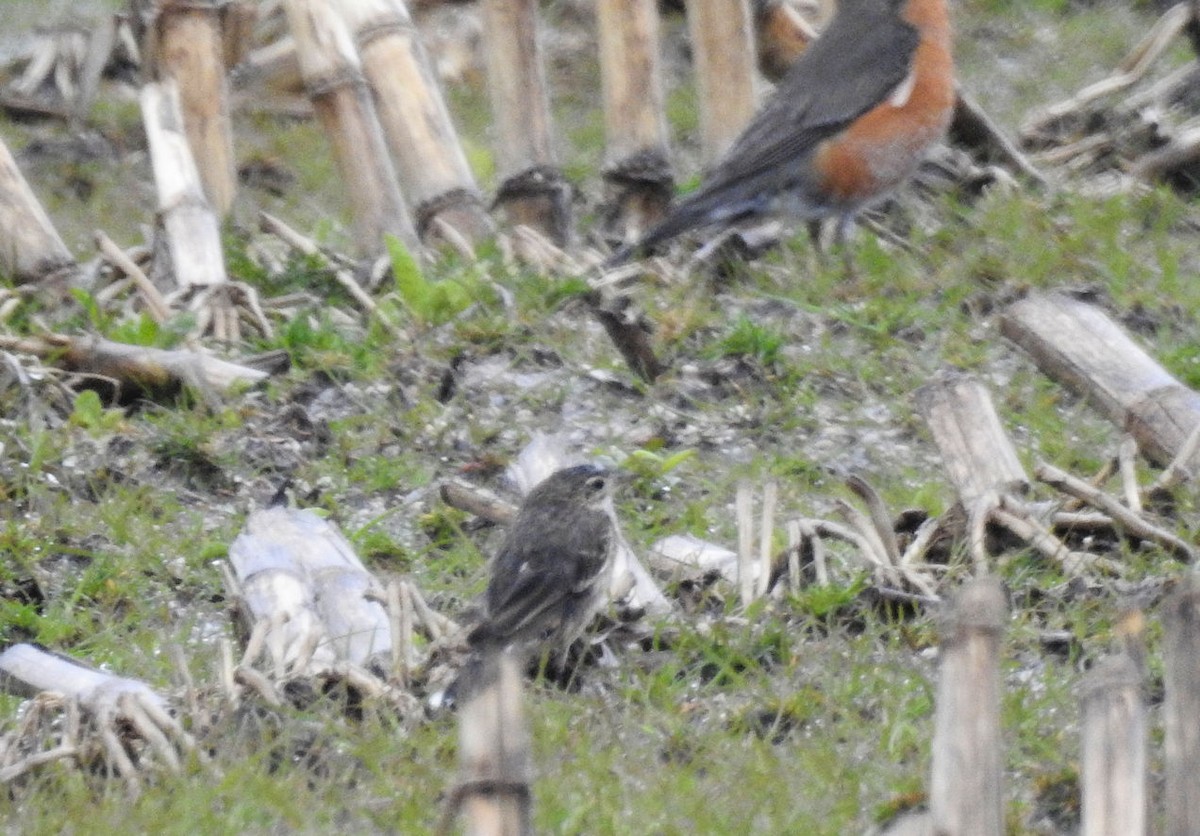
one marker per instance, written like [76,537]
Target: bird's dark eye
[596,483]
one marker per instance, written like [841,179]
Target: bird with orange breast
[847,124]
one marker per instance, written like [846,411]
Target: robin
[847,124]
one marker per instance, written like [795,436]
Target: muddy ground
[116,519]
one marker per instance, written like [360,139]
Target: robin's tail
[699,209]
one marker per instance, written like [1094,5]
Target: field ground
[807,714]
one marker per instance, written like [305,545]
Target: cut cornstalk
[1113,761]
[1181,706]
[190,49]
[978,456]
[494,791]
[434,173]
[343,103]
[1081,347]
[533,191]
[30,247]
[637,168]
[135,369]
[966,784]
[722,39]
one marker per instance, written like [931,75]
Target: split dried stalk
[745,529]
[101,43]
[915,553]
[192,229]
[156,305]
[1131,69]
[437,626]
[880,521]
[875,551]
[1177,471]
[820,565]
[275,226]
[1127,467]
[1122,516]
[1021,523]
[795,544]
[766,537]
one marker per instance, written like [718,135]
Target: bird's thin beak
[621,478]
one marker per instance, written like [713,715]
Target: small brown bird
[848,123]
[549,579]
[551,576]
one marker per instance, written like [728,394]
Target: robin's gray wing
[854,65]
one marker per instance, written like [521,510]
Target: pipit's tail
[621,256]
[478,673]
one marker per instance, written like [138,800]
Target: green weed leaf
[430,303]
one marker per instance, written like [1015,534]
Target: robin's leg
[841,238]
[814,232]
[815,228]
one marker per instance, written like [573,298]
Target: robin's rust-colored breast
[882,147]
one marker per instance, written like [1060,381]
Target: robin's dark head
[584,484]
